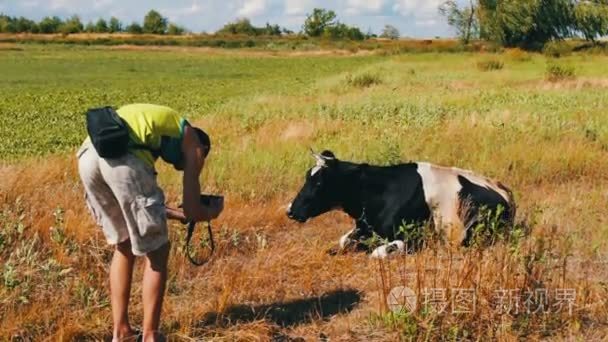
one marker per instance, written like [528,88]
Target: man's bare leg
[155,278]
[121,273]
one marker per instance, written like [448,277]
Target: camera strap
[191,227]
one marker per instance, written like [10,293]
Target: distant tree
[115,25]
[464,20]
[592,19]
[89,27]
[155,23]
[134,28]
[343,31]
[390,32]
[101,26]
[316,22]
[272,30]
[244,26]
[7,24]
[17,25]
[526,23]
[370,34]
[25,25]
[240,26]
[72,25]
[50,25]
[175,30]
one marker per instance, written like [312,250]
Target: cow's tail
[510,202]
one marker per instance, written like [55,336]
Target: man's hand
[176,214]
[194,160]
[209,213]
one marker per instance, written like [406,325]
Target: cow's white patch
[315,169]
[441,187]
[345,240]
[394,247]
[428,181]
[321,163]
[480,180]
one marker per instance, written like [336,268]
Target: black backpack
[109,133]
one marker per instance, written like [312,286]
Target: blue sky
[413,18]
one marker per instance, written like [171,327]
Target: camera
[207,200]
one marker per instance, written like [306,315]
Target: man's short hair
[204,139]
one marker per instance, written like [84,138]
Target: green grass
[45,91]
[437,107]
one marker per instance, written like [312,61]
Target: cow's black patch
[479,204]
[395,197]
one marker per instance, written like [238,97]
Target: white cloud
[417,8]
[99,4]
[298,7]
[355,7]
[175,14]
[28,4]
[426,22]
[64,4]
[252,8]
[293,22]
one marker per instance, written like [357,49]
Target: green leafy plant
[557,72]
[490,65]
[364,80]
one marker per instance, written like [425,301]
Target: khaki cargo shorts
[124,199]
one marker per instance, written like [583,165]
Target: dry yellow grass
[272,279]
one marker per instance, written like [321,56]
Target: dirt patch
[576,84]
[298,130]
[10,47]
[461,85]
[239,52]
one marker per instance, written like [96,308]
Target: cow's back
[456,197]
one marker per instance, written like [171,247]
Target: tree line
[527,23]
[319,23]
[154,23]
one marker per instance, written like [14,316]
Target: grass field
[502,115]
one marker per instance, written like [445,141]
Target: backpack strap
[155,152]
[191,226]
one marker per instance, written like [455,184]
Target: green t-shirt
[151,125]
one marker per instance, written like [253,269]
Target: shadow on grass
[287,314]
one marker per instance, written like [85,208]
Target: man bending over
[126,201]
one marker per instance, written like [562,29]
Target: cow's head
[320,191]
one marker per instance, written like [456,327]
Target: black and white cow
[383,198]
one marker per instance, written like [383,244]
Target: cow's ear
[327,155]
[329,158]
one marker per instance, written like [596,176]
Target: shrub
[518,55]
[363,80]
[489,65]
[557,49]
[557,72]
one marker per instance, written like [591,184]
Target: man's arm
[176,214]
[194,162]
